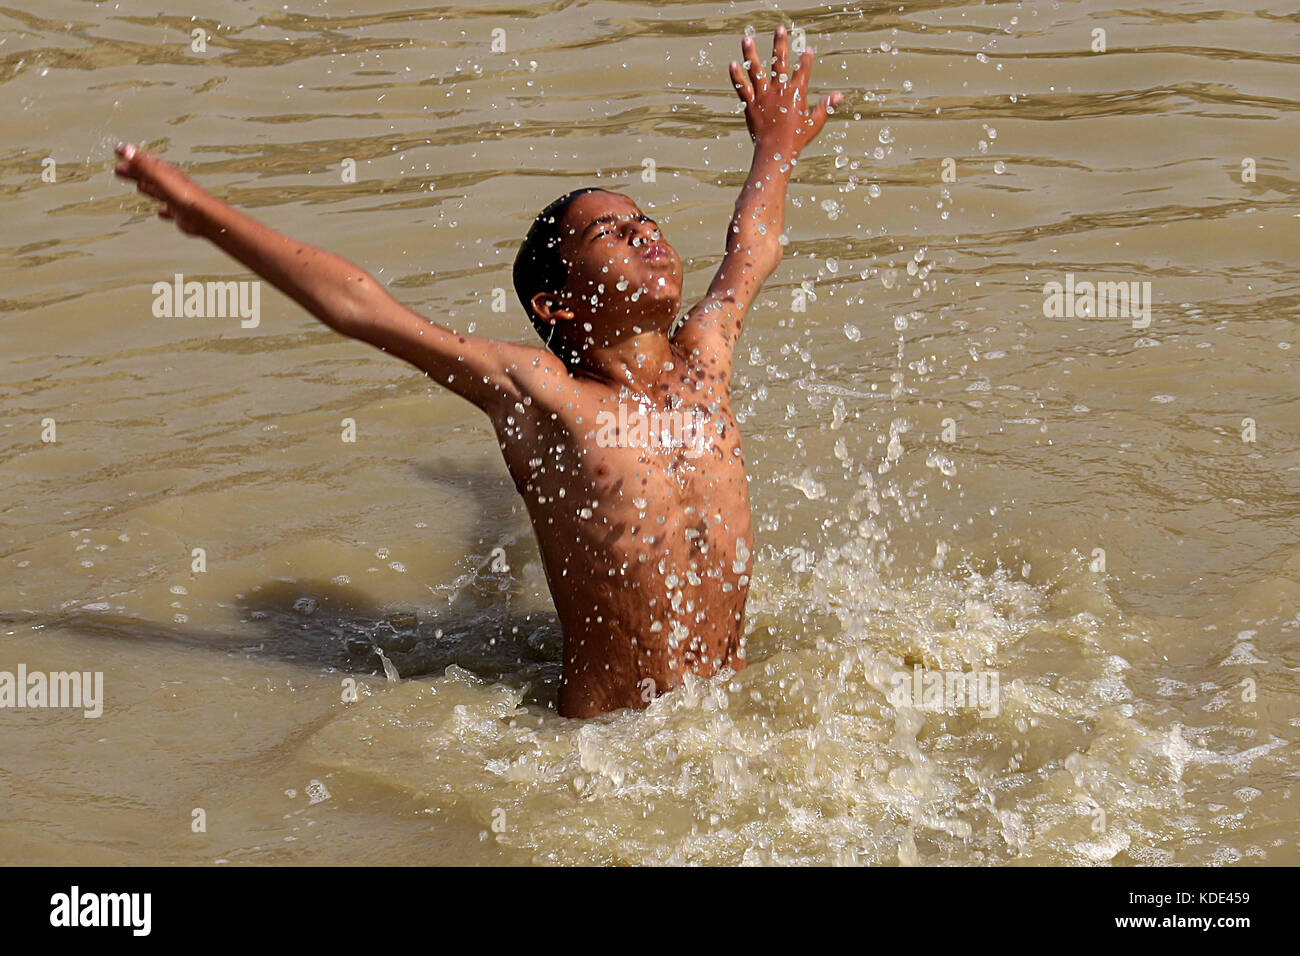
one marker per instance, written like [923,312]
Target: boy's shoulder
[549,386]
[532,368]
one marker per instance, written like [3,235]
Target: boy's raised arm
[780,126]
[339,293]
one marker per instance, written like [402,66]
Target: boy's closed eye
[607,221]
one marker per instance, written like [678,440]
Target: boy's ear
[548,309]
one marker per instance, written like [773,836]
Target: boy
[645,535]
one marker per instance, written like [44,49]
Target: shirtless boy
[645,535]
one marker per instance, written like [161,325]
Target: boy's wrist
[203,210]
[771,162]
[208,215]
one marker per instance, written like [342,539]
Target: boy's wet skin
[646,538]
[619,434]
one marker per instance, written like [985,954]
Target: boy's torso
[640,506]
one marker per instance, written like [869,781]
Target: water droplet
[942,462]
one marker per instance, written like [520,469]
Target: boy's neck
[637,363]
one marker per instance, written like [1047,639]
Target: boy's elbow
[354,310]
[762,253]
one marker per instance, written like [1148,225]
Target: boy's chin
[655,301]
[649,313]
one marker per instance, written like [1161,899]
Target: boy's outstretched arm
[484,371]
[781,126]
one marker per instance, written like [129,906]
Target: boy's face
[624,278]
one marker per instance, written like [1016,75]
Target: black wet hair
[538,264]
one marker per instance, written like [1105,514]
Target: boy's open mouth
[656,252]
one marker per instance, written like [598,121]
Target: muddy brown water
[944,477]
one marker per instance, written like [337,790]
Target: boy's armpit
[712,328]
[712,318]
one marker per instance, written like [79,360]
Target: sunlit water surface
[1146,708]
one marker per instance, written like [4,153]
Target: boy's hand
[179,195]
[775,103]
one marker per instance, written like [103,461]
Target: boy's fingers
[781,53]
[146,164]
[128,153]
[804,72]
[741,83]
[757,72]
[819,115]
[147,189]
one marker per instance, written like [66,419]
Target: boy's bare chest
[617,461]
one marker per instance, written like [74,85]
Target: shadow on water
[323,626]
[469,622]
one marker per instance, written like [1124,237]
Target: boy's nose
[644,232]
